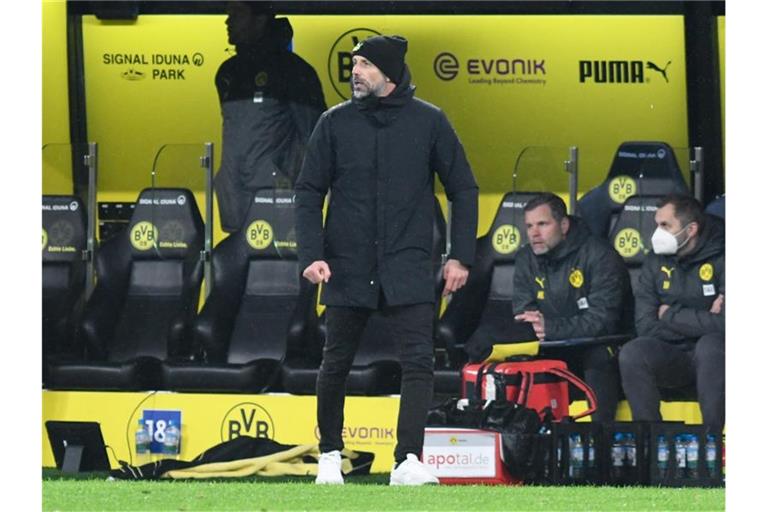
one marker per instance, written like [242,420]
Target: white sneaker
[329,468]
[412,472]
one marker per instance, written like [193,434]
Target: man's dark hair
[556,205]
[687,208]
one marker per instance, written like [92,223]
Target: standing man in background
[270,101]
[378,154]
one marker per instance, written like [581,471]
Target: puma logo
[667,271]
[540,281]
[651,65]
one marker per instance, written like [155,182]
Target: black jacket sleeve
[450,162]
[647,304]
[607,291]
[695,323]
[311,188]
[524,287]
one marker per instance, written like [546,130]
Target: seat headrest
[631,235]
[508,231]
[269,227]
[64,228]
[717,207]
[166,224]
[655,162]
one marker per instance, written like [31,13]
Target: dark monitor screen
[77,445]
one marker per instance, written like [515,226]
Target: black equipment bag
[524,435]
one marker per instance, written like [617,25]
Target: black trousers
[412,328]
[599,368]
[648,364]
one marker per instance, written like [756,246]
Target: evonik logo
[363,433]
[446,66]
[490,70]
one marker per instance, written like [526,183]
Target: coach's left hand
[455,275]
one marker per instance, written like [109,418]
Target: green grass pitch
[361,493]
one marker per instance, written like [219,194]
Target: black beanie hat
[385,52]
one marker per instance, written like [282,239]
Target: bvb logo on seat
[628,242]
[620,188]
[506,239]
[143,236]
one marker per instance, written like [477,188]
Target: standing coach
[378,154]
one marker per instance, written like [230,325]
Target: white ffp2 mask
[665,242]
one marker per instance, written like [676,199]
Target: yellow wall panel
[150,82]
[207,419]
[721,55]
[57,167]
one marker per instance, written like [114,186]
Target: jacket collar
[383,109]
[576,236]
[711,242]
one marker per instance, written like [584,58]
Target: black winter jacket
[378,157]
[581,286]
[270,101]
[688,284]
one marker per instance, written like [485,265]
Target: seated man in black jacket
[679,314]
[570,284]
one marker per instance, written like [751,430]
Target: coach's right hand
[317,271]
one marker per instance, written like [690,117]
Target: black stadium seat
[485,304]
[259,311]
[146,298]
[631,233]
[376,367]
[717,207]
[64,273]
[638,168]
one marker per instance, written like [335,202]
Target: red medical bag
[536,384]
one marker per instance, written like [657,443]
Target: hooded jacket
[270,101]
[378,158]
[689,284]
[581,286]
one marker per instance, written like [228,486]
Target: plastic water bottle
[142,444]
[630,450]
[662,455]
[692,456]
[617,455]
[711,455]
[172,440]
[591,460]
[545,473]
[577,456]
[680,456]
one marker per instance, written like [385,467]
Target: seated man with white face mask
[679,314]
